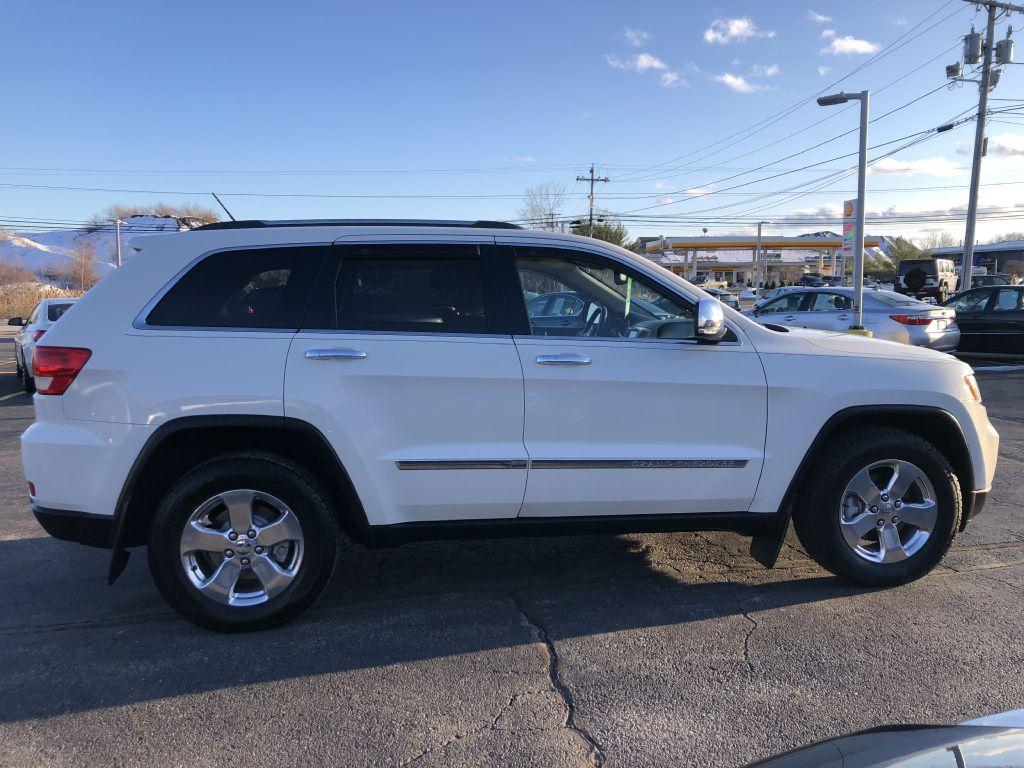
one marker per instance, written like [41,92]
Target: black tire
[27,382]
[942,295]
[915,279]
[816,518]
[267,473]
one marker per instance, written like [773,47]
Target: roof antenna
[223,206]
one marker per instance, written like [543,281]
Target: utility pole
[117,236]
[761,266]
[593,180]
[979,138]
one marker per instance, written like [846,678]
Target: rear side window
[258,288]
[54,312]
[414,288]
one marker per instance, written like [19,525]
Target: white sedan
[46,313]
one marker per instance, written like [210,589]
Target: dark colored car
[983,281]
[811,281]
[912,746]
[991,319]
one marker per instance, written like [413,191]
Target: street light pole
[858,230]
[759,260]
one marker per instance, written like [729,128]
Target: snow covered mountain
[38,250]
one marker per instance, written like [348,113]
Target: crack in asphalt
[596,751]
[460,736]
[746,641]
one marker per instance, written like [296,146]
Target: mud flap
[765,547]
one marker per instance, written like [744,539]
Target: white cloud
[901,22]
[765,70]
[659,185]
[818,18]
[738,83]
[927,166]
[641,62]
[671,79]
[848,44]
[724,31]
[827,33]
[635,37]
[1006,144]
[698,191]
[524,159]
[824,70]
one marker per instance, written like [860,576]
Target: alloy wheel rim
[242,547]
[887,511]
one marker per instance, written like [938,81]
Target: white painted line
[991,368]
[13,394]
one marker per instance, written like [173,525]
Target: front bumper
[79,527]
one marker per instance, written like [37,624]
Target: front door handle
[842,317]
[791,318]
[563,359]
[335,354]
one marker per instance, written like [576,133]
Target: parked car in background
[46,313]
[244,392]
[726,297]
[811,280]
[936,278]
[991,319]
[981,281]
[835,281]
[887,315]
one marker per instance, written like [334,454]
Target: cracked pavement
[654,649]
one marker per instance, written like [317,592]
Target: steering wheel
[594,322]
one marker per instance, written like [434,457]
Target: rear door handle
[791,318]
[335,354]
[563,359]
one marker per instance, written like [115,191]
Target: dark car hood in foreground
[955,746]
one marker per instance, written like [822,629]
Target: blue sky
[319,98]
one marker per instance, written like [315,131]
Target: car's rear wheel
[27,382]
[881,509]
[243,542]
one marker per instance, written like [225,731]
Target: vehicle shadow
[64,631]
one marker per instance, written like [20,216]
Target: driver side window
[570,295]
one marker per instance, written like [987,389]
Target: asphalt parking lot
[646,650]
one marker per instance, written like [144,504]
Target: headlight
[971,391]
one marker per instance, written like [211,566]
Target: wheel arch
[178,445]
[937,426]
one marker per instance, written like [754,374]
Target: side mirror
[16,321]
[710,321]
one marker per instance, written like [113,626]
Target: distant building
[992,256]
[731,258]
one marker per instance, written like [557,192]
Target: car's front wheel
[243,542]
[880,509]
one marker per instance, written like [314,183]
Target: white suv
[236,396]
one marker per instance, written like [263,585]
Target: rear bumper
[79,527]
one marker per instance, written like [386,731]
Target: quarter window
[262,288]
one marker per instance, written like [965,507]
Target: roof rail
[257,223]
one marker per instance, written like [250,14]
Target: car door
[1002,325]
[826,311]
[22,338]
[970,317]
[631,415]
[405,363]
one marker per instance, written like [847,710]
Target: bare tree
[938,240]
[181,210]
[12,272]
[542,206]
[81,272]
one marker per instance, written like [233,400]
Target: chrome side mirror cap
[710,321]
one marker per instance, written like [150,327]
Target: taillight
[54,368]
[912,319]
[37,335]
